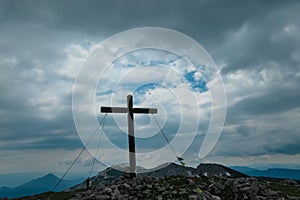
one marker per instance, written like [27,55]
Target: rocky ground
[183,187]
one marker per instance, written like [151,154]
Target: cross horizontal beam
[105,109]
[130,118]
[145,110]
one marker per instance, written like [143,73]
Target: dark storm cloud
[245,35]
[26,124]
[255,141]
[23,120]
[207,20]
[270,37]
[292,148]
[47,143]
[270,103]
[274,125]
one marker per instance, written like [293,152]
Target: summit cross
[130,119]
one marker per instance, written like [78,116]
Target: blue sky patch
[198,84]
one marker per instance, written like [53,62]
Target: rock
[263,192]
[147,179]
[104,197]
[289,182]
[183,187]
[162,188]
[107,191]
[213,189]
[88,192]
[243,185]
[139,187]
[182,192]
[251,179]
[191,182]
[220,185]
[213,197]
[132,192]
[159,197]
[247,190]
[147,192]
[114,186]
[255,187]
[193,197]
[126,185]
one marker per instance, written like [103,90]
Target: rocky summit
[206,182]
[183,187]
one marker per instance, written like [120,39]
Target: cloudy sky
[255,44]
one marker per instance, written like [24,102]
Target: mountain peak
[125,167]
[36,186]
[50,175]
[211,169]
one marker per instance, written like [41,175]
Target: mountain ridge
[207,181]
[110,174]
[37,186]
[271,172]
[170,169]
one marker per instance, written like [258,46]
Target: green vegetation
[50,196]
[291,190]
[178,182]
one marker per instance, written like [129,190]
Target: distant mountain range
[16,179]
[37,186]
[273,173]
[46,183]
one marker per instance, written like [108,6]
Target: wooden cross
[130,111]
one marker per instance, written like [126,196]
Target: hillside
[207,181]
[182,187]
[36,186]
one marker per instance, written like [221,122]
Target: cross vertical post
[131,140]
[130,119]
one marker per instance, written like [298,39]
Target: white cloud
[41,53]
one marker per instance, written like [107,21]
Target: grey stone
[246,184]
[139,187]
[251,179]
[174,192]
[289,182]
[183,192]
[220,185]
[159,197]
[162,188]
[107,191]
[164,193]
[214,189]
[132,192]
[147,191]
[213,197]
[239,180]
[193,197]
